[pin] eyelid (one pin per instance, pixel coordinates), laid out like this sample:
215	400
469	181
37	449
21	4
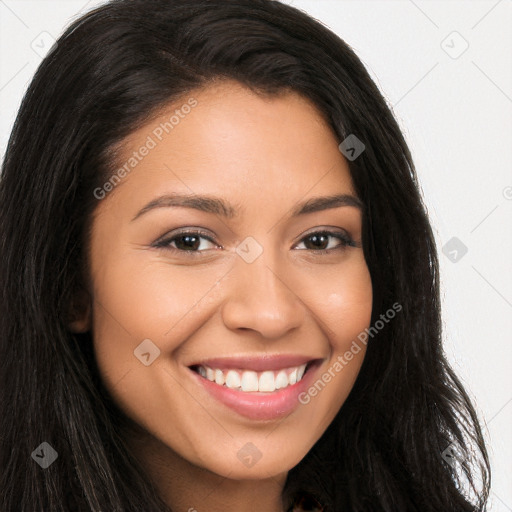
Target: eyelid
331	231
185	231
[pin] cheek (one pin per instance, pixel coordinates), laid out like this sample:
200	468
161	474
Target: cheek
343	302
343	309
139	298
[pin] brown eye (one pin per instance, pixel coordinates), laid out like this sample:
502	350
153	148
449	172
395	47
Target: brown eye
185	242
319	241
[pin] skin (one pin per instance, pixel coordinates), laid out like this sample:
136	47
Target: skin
264	156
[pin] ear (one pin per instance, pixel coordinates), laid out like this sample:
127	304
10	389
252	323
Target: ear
79	314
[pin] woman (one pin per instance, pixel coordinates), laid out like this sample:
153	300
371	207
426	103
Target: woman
219	281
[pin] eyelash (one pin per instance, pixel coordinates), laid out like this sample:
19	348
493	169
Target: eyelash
346	241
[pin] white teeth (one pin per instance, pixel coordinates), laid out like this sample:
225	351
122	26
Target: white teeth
232	379
219	377
266	382
250	381
281	380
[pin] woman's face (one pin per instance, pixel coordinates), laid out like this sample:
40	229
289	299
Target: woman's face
251	300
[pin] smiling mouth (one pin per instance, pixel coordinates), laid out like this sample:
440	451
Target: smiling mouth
267	381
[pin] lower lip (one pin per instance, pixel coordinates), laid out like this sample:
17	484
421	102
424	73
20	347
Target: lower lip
256	405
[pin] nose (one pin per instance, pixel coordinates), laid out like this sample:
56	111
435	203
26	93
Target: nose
261	298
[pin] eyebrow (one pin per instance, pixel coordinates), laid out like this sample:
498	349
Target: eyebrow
216	205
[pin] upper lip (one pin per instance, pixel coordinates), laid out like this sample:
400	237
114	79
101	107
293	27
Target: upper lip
257	363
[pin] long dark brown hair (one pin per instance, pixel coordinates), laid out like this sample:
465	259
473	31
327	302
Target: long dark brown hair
109	73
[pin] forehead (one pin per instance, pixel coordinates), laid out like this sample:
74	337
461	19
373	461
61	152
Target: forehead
227	140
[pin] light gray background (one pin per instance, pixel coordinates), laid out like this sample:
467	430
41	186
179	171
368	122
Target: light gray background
454	106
